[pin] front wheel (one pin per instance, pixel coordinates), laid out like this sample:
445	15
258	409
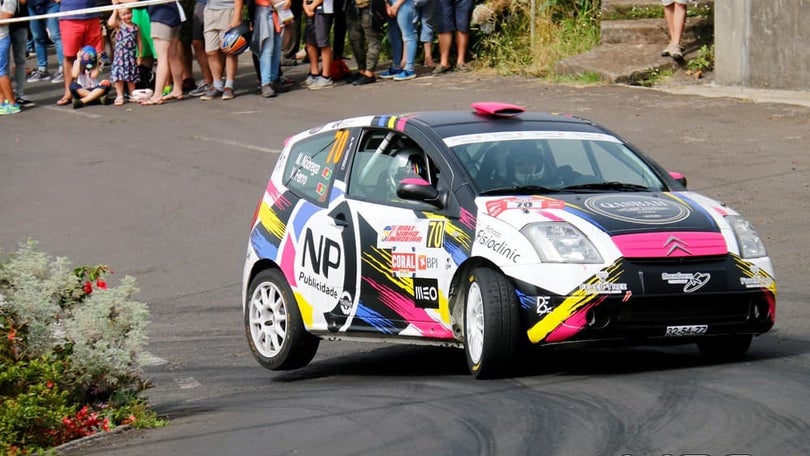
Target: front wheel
275	331
725	348
491	326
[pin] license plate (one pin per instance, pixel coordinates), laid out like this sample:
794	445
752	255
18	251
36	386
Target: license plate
687	330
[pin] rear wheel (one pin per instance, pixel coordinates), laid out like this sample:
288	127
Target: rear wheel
491	326
725	348
275	331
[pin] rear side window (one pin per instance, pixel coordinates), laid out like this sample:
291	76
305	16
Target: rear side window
310	168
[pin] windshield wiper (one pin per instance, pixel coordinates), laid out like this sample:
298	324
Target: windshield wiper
609	186
520	190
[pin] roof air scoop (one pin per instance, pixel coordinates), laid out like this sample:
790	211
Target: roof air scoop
497	109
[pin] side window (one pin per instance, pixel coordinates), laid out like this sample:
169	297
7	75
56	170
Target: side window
310	167
384	159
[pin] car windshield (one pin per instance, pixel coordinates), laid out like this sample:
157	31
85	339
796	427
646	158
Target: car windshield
538	162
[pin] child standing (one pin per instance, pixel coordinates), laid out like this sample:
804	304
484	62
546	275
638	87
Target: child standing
9	106
86	87
128	47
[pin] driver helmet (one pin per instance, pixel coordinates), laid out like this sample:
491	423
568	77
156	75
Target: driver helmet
406	163
525	165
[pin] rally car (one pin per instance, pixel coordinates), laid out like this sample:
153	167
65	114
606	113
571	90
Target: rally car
493	229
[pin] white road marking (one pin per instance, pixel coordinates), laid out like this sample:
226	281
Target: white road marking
76	112
238	144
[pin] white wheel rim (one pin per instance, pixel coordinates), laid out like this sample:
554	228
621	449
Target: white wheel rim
268	319
474	334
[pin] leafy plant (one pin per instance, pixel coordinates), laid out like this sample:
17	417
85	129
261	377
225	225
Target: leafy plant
529	38
703	61
69	358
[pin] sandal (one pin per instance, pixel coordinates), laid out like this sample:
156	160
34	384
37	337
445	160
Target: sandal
119	100
151	102
64	101
171	97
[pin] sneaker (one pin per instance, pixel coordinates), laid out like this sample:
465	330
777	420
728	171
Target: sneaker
405	75
7	109
227	94
200	90
310	79
77	103
24	102
279	87
211	94
285	82
322	83
39	75
390	73
59	77
267	91
673	50
363	80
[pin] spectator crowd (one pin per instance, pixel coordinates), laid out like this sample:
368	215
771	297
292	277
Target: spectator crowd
150	49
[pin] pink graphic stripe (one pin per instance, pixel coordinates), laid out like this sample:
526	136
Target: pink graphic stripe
671	244
404	306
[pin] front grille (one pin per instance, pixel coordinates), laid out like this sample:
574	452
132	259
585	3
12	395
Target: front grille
703	309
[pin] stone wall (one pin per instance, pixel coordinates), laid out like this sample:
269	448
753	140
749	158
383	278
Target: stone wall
762	43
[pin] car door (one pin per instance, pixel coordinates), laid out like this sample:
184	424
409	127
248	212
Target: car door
405	269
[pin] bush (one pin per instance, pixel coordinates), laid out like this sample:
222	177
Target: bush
529	37
69	359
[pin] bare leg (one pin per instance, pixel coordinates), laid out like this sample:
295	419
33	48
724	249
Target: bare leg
202	60
445	42
462	40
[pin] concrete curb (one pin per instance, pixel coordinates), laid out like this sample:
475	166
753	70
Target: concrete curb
714	90
73	445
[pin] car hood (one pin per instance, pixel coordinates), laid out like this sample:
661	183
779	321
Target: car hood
614	213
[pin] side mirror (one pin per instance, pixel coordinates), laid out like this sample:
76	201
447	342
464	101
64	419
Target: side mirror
678	177
418	189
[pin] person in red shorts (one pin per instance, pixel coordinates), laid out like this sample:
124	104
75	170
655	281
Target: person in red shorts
77	30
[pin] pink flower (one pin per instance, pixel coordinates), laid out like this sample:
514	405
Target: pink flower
88	287
101	285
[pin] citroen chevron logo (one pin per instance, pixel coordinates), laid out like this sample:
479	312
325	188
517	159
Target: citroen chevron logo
676	244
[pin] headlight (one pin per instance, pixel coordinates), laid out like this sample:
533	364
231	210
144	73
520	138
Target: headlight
747	238
561	242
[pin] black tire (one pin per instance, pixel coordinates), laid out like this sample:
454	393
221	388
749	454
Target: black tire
491	324
725	348
273	325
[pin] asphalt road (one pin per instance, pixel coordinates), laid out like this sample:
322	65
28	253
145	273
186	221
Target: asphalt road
166	194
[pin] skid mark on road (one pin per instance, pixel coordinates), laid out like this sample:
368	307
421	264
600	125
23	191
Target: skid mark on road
238	144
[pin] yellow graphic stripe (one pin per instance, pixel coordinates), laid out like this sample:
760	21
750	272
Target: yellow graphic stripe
270	221
336	152
392	122
570	306
380	259
305	309
763	276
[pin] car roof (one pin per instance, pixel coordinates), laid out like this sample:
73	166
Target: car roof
454	123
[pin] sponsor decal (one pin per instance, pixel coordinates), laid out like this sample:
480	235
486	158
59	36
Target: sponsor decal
408	234
638	209
326	256
491	239
345	303
317	285
543	305
602	286
327	172
426	293
498	206
403	264
425	262
758	281
692	281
